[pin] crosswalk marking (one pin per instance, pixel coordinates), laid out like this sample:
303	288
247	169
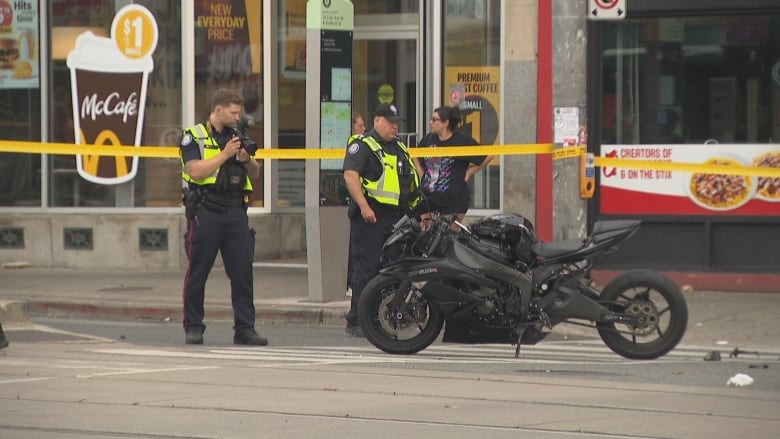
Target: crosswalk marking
551	353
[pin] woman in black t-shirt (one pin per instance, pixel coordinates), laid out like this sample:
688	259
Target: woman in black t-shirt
445	179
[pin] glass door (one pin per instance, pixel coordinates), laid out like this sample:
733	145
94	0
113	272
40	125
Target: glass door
386	73
385	56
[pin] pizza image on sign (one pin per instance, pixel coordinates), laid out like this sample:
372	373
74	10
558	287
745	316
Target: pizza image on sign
721	191
768	187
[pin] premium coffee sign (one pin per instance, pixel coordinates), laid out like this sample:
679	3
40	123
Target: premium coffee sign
109	79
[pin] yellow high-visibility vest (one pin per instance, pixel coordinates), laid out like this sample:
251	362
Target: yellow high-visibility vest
208	148
387	188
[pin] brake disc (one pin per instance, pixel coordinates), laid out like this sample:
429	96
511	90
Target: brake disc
648	315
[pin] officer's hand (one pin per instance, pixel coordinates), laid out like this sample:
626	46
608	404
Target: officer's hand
232	147
368	215
243	155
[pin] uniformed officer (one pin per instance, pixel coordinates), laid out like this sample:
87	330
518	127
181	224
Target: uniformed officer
217	167
3	340
382	182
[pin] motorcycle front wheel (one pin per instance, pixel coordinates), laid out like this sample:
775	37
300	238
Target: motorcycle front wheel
657	302
401	330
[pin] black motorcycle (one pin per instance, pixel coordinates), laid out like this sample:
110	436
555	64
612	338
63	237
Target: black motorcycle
495	282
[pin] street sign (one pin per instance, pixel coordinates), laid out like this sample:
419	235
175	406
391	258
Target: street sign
606	9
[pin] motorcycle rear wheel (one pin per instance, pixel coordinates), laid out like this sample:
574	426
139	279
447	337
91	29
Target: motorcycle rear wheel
418	327
655	298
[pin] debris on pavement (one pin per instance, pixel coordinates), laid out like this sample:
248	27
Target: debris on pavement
712	356
740	380
737	352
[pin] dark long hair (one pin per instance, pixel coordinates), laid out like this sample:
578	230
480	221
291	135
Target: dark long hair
450	114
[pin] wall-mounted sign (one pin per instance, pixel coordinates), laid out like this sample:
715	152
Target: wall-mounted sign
652	192
476	90
330	14
109	79
19	62
606	9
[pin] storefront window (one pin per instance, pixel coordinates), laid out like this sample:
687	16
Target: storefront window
158	181
291	102
380	7
690	90
20	174
472	35
229	54
691	80
20	103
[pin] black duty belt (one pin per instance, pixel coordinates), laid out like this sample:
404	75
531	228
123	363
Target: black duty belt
220	202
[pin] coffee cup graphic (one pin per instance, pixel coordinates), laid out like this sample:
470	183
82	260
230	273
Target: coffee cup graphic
108	88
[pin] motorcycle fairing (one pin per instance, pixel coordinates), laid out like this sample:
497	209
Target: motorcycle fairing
605	234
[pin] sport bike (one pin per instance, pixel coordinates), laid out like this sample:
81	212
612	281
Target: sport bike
496	282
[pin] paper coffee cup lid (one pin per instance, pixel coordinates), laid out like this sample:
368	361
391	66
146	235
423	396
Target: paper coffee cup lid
101	54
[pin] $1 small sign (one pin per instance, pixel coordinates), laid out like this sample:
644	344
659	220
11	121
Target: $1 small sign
134	31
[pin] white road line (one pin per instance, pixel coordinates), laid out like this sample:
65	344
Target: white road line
25	380
139	371
450	354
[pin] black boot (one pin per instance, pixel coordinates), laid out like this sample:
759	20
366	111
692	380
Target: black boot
249	337
3	340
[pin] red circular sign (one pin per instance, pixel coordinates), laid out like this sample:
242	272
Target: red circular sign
6	14
606	4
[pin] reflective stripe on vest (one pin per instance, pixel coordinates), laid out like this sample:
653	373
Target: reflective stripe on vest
208	149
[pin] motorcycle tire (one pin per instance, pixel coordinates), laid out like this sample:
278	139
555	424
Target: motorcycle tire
419	326
640	292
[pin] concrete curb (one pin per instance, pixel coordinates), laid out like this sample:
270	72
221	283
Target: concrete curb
271	314
13	312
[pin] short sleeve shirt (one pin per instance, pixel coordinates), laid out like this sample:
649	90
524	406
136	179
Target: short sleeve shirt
443	179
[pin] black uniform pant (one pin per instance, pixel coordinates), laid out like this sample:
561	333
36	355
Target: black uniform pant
226	232
365	241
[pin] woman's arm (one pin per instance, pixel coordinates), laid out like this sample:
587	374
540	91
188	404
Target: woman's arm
474	168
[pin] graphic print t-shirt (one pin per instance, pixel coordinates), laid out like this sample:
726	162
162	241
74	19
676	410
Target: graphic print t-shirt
443	182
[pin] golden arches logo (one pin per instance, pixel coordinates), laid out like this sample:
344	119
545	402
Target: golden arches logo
91	162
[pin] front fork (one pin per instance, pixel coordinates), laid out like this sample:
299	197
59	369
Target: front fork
402	298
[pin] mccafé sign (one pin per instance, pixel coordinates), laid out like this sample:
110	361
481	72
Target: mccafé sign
109	78
110	106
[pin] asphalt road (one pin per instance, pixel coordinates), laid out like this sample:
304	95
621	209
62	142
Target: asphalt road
584	358
91	379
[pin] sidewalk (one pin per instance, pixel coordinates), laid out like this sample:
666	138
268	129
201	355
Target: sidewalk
720	320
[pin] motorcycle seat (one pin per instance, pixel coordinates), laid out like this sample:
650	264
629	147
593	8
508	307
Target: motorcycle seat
614	225
558	248
604	231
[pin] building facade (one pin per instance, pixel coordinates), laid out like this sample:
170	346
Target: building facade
669	73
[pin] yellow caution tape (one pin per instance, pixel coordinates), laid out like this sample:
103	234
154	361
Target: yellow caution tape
460	151
568	152
276	153
71	149
14	146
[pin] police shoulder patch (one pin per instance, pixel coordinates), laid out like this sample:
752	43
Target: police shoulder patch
186	139
353	148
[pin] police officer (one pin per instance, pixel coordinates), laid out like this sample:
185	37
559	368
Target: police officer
382	182
3	340
217	168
